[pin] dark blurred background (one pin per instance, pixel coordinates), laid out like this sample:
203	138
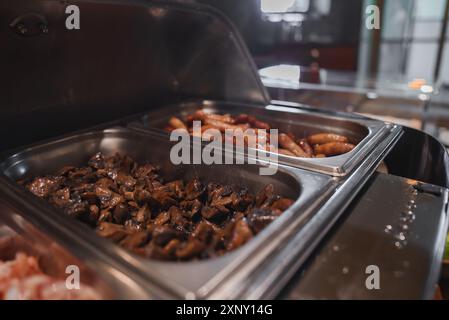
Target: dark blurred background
331	34
298	32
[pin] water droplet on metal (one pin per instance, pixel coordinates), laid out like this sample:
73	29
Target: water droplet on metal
399	244
400	236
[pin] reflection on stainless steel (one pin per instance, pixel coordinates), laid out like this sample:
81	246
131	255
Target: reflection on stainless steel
293	77
301	121
421	157
408	271
281	76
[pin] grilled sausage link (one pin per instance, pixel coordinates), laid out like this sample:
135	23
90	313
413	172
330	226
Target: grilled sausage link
322	138
222	126
223	118
177	123
285	152
333	148
306	146
253	121
203	116
287	143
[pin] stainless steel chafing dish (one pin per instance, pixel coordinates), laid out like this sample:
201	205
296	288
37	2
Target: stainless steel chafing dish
221	277
304	121
93	94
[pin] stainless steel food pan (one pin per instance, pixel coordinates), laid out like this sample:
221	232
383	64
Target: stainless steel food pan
301	121
198	279
19	235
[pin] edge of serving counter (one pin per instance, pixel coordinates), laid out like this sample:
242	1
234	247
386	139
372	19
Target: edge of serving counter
408	230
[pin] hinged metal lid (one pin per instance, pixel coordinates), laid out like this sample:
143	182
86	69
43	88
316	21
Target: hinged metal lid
126	57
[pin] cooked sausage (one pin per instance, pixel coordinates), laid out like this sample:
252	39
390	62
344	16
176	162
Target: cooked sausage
202	116
333	148
289	143
206	136
177	123
241	118
322	138
305	146
286	142
253	121
258	124
222	126
291	135
197	115
223	118
285	152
